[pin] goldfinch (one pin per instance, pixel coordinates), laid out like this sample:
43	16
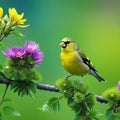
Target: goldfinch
75	61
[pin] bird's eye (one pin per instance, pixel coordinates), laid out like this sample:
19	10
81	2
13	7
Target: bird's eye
67	42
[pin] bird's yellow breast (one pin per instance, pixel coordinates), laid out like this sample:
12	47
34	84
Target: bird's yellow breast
73	63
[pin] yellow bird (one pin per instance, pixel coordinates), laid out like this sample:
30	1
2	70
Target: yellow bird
75	61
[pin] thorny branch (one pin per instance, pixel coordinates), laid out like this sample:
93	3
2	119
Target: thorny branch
50	88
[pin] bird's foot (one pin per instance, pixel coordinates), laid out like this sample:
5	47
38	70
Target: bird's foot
66	78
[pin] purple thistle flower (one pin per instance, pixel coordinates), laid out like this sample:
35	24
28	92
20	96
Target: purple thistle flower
14	52
37	56
30	50
30	47
33	48
118	85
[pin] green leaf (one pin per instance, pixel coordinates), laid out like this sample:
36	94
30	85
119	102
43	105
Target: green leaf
1	67
90	99
110	115
94	114
32	95
0	116
23	26
54	104
8	99
33	87
36	76
2	74
7	110
78	117
23	87
44	108
1	43
17	33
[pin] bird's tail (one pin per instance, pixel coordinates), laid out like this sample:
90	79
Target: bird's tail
95	74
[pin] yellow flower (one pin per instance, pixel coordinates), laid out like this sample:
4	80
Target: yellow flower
15	17
1	12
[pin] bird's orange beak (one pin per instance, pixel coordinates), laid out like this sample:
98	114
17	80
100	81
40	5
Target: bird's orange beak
62	44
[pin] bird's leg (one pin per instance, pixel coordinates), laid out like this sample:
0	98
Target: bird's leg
66	78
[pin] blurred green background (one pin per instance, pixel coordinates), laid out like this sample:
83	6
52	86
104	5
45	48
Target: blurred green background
94	24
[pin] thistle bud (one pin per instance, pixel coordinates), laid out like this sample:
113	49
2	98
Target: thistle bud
5	18
7	26
2	24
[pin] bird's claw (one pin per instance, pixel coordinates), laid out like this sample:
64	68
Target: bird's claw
66	78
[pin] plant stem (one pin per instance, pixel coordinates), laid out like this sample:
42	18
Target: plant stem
47	87
101	99
3	96
50	88
1	37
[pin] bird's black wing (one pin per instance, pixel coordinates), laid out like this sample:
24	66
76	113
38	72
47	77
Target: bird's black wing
88	63
85	59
